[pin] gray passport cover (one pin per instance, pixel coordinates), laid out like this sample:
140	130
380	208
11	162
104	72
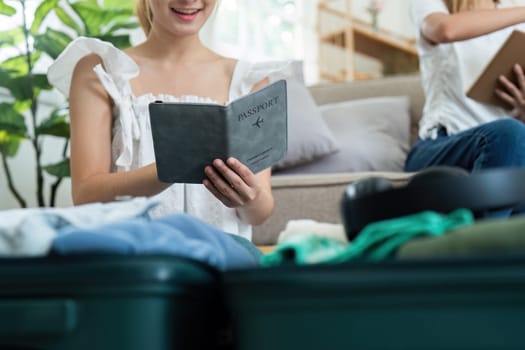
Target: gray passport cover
189	136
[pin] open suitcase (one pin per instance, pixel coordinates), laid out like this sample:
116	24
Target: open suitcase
164	302
461	290
467	304
108	302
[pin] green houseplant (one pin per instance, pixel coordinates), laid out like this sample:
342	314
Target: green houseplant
22	81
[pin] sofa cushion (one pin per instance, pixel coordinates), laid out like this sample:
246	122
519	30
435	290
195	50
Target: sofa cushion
395	85
373	134
309	137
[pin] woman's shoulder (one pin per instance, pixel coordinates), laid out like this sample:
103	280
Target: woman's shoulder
228	64
88	62
88	52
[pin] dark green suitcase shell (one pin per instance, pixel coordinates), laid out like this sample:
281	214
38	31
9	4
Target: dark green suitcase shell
108	302
460	304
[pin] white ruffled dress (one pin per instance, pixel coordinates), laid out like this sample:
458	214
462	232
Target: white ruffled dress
132	145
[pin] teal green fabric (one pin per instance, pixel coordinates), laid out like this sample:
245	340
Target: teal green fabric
304	249
377	241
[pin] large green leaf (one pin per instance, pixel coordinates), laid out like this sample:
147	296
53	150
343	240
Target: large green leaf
60	169
9	144
19	87
120	41
45	7
21	106
18	65
5	9
26	87
12	37
40	81
12	122
5	76
65	18
121	4
55	125
97	19
124	26
52	42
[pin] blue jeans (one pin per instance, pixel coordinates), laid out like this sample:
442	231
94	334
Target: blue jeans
492	145
497	144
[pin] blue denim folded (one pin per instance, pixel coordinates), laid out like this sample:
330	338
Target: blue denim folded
177	234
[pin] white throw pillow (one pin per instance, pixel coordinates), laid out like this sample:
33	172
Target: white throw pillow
309	137
373	134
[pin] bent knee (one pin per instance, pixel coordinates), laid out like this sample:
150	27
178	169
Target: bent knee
505	144
509	127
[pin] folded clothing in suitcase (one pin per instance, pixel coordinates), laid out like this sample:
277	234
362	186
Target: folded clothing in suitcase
467	304
108	302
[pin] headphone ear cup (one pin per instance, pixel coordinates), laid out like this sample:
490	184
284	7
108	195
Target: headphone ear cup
353	219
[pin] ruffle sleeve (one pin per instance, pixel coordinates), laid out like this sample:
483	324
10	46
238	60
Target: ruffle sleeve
247	74
114	73
119	66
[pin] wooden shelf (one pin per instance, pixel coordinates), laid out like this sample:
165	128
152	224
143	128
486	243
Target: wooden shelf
395	52
376	42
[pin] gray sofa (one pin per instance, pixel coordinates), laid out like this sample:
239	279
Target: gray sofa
316	196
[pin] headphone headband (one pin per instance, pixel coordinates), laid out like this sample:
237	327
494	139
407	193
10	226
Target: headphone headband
438	189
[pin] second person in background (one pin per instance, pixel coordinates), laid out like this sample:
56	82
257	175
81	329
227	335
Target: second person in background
456	39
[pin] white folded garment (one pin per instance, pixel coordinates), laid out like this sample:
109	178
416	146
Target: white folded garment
30	231
306	226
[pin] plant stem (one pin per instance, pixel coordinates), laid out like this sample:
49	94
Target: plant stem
54	186
35	138
10	183
53	192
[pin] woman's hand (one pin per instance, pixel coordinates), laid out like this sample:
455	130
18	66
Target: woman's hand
236	186
514	94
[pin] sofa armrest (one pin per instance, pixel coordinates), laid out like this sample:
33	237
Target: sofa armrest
314	197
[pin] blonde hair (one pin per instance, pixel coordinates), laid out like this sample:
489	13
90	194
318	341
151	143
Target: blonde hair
455	6
144	14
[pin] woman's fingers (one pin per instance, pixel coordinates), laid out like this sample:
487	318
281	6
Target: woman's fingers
225	187
514	93
510	88
232	182
520	76
506	98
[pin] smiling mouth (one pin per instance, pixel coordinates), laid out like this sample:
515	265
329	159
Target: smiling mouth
185	12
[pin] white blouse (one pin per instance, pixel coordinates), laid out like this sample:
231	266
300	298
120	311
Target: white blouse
132	144
448	70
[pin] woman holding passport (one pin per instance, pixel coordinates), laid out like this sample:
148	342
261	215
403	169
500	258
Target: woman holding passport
109	92
456	39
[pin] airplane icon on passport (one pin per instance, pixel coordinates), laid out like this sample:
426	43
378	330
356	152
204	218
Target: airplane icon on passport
258	122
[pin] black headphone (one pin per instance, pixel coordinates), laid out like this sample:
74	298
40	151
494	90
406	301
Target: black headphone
442	189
